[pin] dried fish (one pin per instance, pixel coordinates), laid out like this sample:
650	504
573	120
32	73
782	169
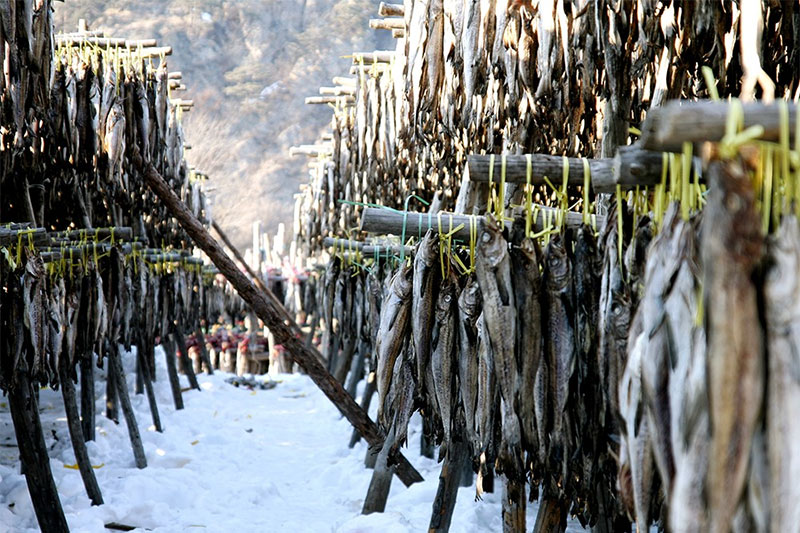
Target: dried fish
732	245
442	358
391	334
423	302
469	303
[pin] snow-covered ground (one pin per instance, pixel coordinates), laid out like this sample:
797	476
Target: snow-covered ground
234	460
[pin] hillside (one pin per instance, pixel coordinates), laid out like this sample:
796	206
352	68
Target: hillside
247	66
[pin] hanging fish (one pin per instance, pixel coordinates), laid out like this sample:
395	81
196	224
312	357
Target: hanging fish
423	302
469	307
442	363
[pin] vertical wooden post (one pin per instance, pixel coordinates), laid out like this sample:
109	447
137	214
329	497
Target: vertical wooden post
87	394
514	505
426	446
33	455
76	433
144	349
449	481
112	412
551	517
201	340
366	399
115	366
381	482
186	365
172	371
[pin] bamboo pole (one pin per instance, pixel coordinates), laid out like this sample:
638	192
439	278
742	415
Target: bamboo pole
271	314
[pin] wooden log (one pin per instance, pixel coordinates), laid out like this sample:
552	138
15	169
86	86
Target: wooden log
513	506
631	167
37	236
319	100
357	369
201	341
391	10
87	395
378	56
666	128
183	360
551	517
398	34
271	315
449	479
339	90
76	433
115	366
371	69
33	455
381	482
393	23
155	51
143	360
389	222
175	75
121	233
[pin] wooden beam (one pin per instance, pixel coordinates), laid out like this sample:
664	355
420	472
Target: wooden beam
391	10
398	34
378	56
320	100
389	222
272	316
666	128
342	80
631	167
394	23
313	150
366	249
339	90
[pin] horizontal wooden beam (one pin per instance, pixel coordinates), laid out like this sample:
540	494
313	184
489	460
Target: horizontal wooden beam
366	248
342	80
378	56
398	34
390	222
339	90
393	23
391	10
122	233
313	150
319	100
630	168
666	128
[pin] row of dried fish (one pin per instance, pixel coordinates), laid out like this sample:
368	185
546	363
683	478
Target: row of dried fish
479	77
710	384
74	120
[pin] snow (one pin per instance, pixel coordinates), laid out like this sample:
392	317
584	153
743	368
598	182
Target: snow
232	460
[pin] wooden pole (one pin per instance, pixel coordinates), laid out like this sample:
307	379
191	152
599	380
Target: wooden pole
201	340
273	317
669	126
391	10
76	434
183	361
389	222
393	23
631	167
172	371
33	455
115	366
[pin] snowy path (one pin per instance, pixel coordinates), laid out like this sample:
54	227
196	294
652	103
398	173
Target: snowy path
233	460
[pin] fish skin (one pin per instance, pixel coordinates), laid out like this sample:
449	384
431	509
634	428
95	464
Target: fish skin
55	323
402	401
526	54
487	389
527	292
782	303
546	32
72	304
328	299
143	118
637	472
560	339
442	357
493	268
731	249
470	52
541	409
423	302
434	54
35	317
114	140
392	333
469	307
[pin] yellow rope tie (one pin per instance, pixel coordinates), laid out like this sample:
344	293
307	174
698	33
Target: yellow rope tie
528	194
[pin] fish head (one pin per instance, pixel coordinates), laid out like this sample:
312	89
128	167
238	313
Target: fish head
492	245
469	300
447	296
428	249
557	262
401	282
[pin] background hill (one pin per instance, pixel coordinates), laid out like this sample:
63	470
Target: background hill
248	65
